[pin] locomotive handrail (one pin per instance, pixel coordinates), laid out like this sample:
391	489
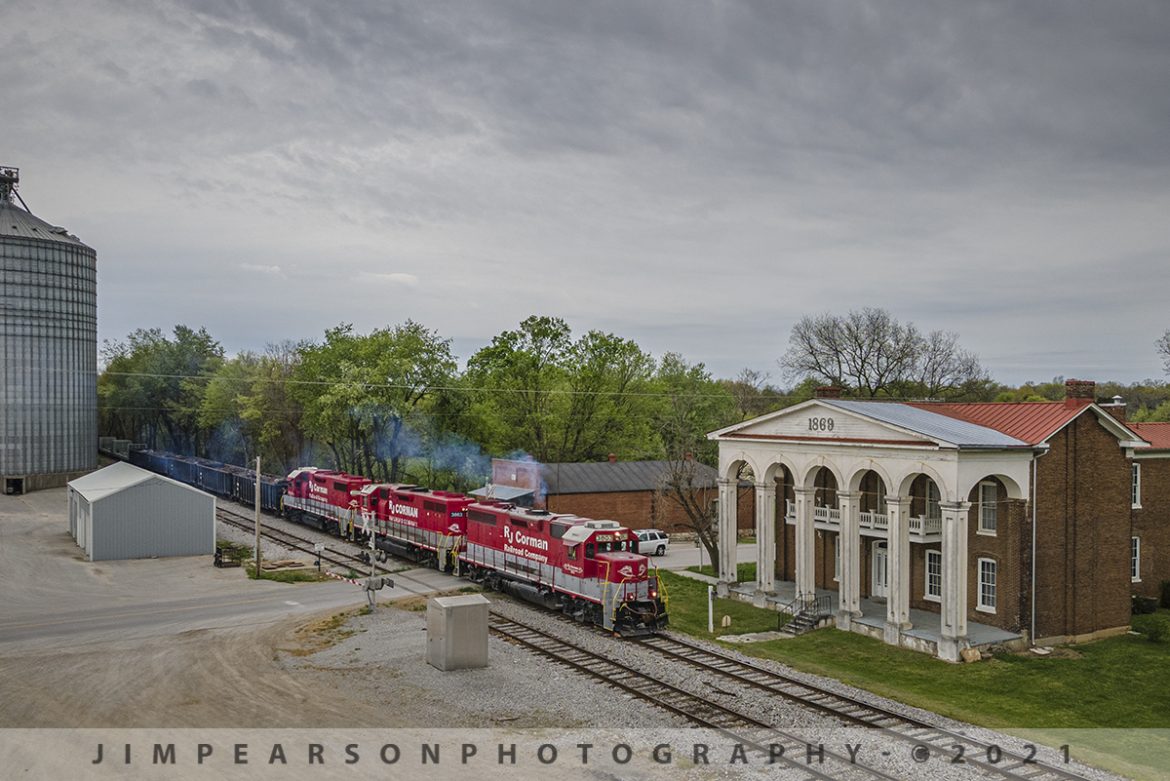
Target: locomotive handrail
662	594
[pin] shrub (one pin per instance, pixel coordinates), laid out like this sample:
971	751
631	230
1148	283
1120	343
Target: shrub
1143	605
1157	631
1166	593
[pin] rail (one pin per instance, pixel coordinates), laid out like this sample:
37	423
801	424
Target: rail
941	742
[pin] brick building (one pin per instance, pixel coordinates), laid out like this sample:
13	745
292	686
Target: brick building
940	526
629	492
1150	503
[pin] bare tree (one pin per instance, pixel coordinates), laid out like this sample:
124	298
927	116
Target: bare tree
753	396
1163	346
945	367
871	353
686	484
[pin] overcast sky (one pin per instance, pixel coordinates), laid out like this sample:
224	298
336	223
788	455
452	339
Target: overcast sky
695	176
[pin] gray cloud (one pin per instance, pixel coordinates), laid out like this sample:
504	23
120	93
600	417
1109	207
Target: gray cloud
693	175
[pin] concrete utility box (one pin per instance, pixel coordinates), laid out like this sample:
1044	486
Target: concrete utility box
457	632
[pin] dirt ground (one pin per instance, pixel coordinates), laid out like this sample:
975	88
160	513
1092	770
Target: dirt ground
152	666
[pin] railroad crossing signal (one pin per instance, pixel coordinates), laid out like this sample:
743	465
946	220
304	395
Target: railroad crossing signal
376	584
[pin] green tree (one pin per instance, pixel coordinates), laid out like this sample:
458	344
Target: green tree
359	392
250	409
152	386
538	390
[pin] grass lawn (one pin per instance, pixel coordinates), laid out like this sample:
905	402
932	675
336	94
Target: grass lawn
1091	696
688	610
744	573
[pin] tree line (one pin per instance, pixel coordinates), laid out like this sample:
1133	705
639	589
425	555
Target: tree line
392	404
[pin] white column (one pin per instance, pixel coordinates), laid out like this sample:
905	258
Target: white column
806	540
728	536
766	538
898	568
849	586
954	580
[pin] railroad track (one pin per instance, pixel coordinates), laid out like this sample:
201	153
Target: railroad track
943	743
755	735
296	542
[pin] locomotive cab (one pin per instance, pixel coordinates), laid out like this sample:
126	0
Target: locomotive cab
630	594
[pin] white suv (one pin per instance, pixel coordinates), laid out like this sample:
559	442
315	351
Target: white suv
652	542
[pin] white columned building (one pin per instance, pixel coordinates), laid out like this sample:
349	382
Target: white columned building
881	491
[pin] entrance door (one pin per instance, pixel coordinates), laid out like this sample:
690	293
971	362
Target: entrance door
881	572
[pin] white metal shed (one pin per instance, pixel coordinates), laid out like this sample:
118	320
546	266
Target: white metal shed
123	512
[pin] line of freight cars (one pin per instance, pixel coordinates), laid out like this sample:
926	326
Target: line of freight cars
224	480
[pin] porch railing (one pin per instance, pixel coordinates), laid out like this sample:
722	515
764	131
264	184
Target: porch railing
921	525
827	515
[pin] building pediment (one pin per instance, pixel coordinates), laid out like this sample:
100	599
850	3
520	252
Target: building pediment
821	421
891	424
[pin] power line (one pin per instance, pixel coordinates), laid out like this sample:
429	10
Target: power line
460	388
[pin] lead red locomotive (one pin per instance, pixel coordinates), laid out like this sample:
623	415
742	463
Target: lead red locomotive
585	568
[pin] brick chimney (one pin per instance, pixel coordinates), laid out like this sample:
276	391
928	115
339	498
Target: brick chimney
827	392
613	458
1079	392
1115	407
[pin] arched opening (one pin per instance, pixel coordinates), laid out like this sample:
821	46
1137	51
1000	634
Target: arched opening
785	561
873	523
827	517
739	516
871	497
824	485
925	506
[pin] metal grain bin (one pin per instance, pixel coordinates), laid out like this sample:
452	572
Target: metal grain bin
48	349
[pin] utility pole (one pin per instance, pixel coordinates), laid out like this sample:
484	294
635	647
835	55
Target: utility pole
257	517
373	558
710	609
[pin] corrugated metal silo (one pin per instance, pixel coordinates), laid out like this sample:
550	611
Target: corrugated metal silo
48	349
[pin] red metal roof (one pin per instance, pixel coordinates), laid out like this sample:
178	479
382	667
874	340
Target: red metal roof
1031	421
1157	434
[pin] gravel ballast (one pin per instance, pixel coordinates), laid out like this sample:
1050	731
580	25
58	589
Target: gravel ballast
524	691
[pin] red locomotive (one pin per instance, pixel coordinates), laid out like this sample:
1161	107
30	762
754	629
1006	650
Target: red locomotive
585	568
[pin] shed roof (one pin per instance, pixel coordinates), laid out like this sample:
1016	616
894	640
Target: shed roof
924	421
117	477
617	476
